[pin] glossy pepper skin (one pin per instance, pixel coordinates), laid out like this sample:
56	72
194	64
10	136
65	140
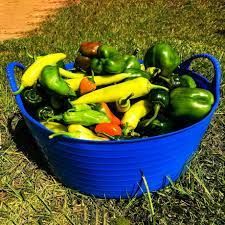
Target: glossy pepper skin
190	103
89	49
175	81
82	62
162	56
33	72
108	61
134	73
187	81
51	79
104	108
159	98
160	125
54	126
131	62
112	65
105	51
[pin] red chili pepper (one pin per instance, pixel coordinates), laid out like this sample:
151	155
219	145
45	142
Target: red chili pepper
86	85
109	129
109	113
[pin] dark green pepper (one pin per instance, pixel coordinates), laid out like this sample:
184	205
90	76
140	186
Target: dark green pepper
32	97
56	101
85	118
43	113
51	79
160	126
175	81
159	98
162	56
190	103
131	62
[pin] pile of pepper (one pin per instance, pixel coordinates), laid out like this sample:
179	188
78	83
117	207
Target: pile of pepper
112	96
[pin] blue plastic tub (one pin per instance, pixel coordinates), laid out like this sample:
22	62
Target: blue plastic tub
114	169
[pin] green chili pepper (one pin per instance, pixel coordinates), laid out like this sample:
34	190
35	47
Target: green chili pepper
51	79
190	103
85	118
134	73
81	107
158	98
43	113
162	56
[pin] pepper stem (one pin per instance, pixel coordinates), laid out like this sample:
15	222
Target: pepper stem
92	78
19	90
123	101
154	86
56	117
146	122
165	79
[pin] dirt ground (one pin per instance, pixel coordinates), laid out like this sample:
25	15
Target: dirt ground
20	16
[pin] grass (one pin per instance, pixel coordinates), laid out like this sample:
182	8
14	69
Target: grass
29	194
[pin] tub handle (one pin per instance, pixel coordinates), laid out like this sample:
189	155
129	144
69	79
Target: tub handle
217	70
10	73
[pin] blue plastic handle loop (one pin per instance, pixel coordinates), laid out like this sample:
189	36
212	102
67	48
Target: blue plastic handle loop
217	70
10	72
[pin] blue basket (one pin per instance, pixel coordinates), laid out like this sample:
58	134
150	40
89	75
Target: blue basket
114	169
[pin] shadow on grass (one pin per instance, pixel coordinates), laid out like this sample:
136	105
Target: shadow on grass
25	142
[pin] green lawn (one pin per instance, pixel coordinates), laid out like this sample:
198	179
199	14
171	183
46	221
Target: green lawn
29	194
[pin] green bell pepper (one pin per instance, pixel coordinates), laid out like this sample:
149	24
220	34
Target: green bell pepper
51	79
190	103
162	56
108	61
187	81
115	64
131	62
105	51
